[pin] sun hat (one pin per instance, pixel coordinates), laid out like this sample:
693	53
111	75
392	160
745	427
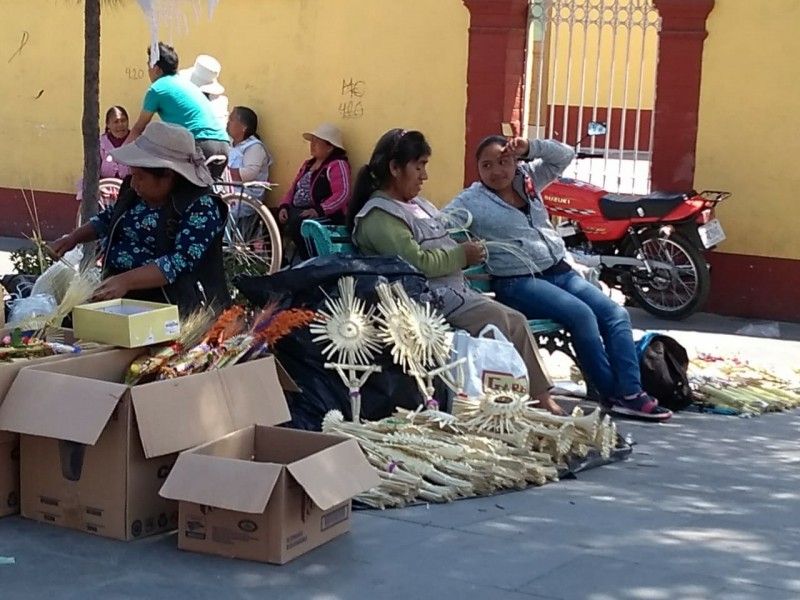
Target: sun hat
204	75
327	132
166	146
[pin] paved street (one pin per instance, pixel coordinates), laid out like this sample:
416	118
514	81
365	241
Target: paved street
706	509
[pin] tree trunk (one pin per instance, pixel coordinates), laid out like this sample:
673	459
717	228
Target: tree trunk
90	125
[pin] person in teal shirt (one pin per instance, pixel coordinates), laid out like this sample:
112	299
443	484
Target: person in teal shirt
178	101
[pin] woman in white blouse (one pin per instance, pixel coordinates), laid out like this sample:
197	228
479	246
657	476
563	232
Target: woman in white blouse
249	159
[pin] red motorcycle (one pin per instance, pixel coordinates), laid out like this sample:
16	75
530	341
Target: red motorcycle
650	247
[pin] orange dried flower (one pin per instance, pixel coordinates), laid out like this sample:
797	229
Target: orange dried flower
287	321
230	323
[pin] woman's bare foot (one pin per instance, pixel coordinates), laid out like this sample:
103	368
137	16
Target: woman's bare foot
547	403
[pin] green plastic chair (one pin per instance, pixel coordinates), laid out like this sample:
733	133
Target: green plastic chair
323	240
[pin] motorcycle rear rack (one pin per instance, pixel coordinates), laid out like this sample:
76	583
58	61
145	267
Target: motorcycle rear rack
714	196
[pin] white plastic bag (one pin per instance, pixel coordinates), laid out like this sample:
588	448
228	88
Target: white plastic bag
493	364
32	312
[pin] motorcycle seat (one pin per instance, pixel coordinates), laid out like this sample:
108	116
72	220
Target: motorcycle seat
616	207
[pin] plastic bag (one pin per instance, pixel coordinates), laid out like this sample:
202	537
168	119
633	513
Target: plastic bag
18	286
302	283
56	279
32	312
493	364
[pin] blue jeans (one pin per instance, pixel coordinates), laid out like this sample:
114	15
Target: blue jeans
600	328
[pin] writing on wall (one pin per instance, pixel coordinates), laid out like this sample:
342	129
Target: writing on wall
351	103
135	74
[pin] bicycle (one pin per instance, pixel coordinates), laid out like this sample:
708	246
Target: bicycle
252	238
109	192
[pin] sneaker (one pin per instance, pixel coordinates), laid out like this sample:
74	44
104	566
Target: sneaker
643	406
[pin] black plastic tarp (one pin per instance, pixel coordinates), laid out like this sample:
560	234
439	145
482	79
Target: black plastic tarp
307	286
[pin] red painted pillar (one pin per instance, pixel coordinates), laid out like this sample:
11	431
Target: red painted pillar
495	72
680	62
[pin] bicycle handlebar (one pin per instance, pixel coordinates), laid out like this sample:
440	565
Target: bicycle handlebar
580	155
216	159
264	185
219	159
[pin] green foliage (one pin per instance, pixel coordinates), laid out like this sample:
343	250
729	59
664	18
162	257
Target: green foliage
30	261
236	265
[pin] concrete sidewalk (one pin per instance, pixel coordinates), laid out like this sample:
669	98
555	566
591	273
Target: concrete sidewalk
706	509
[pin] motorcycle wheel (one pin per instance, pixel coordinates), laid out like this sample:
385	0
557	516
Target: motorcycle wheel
664	295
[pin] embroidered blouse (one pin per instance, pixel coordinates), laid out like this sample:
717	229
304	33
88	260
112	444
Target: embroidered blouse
135	239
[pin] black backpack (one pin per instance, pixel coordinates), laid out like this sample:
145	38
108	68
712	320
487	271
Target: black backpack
663	363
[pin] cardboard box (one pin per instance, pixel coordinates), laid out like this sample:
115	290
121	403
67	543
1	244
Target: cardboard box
94	452
266	493
9	442
9	474
126	323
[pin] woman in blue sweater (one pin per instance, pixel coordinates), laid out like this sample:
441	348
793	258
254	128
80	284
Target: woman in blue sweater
535	278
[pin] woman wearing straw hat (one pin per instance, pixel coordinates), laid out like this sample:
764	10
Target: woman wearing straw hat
321	187
162	240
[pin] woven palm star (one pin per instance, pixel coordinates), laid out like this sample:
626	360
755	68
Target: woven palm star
429	331
346	327
394	325
416	333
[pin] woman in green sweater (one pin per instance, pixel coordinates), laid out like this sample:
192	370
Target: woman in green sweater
387	216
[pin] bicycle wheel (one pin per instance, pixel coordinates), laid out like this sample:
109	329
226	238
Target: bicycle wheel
252	240
109	192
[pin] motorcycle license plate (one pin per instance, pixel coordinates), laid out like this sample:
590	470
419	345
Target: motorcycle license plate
566	230
711	233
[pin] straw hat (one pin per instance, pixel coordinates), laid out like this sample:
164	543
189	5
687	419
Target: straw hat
167	146
204	75
329	133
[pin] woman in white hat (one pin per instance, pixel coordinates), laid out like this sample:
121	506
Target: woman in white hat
205	75
162	240
321	187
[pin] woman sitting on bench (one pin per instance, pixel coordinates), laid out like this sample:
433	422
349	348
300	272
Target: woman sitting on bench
387	216
505	206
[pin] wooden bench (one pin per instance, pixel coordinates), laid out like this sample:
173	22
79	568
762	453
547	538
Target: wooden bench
323	240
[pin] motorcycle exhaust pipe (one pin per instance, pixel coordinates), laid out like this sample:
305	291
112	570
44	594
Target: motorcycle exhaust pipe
591	261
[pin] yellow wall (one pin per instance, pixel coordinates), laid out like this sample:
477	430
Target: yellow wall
584	44
287	59
749	123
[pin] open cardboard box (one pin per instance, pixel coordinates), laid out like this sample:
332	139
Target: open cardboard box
9	474
266	493
126	323
9	442
95	452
